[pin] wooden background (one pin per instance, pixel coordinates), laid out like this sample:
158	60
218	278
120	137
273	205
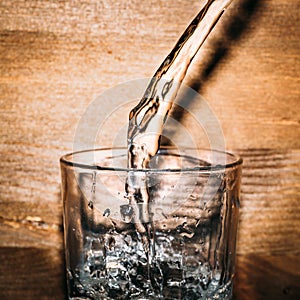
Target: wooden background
57	56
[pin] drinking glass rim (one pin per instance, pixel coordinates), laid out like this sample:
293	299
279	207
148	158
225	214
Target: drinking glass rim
237	161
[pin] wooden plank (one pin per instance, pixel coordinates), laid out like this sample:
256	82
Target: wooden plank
270	213
31	273
262	277
249	74
62	62
268	243
56	57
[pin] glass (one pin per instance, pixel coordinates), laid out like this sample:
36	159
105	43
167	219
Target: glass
187	250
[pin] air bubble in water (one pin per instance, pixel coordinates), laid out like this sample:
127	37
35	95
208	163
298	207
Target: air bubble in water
106	213
91	204
126	212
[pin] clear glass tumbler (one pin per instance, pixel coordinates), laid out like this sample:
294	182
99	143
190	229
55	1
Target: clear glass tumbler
179	244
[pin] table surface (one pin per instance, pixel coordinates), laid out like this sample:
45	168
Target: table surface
58	56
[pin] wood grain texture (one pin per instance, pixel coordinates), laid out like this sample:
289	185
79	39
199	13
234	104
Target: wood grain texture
56	57
268	243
